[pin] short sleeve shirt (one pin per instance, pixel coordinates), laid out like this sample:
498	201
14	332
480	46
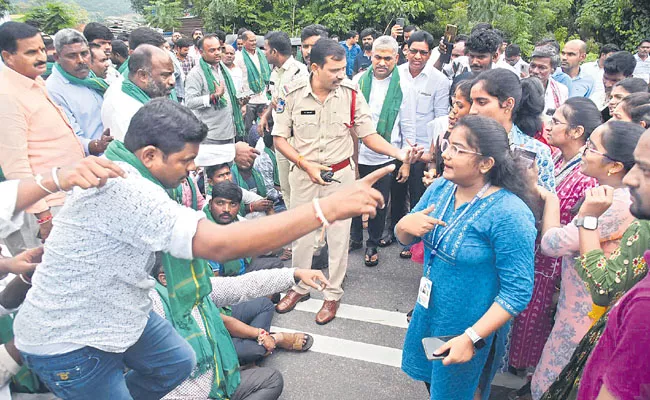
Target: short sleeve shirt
319	129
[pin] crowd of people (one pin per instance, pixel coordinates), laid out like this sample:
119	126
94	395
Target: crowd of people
152	190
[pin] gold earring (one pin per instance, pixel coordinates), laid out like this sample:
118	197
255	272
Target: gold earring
609	173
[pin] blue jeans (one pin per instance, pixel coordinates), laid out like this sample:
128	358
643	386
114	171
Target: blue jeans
159	361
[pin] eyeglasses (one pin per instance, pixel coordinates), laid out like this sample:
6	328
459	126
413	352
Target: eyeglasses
452	150
590	147
424	53
555	121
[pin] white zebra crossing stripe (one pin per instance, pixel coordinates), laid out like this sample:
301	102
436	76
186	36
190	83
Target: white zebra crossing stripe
351	349
358	313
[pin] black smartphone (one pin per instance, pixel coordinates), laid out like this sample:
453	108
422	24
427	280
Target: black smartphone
400	22
450	37
431	344
527	156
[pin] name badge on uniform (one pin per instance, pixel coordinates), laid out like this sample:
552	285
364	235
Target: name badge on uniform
424	293
308	112
279	108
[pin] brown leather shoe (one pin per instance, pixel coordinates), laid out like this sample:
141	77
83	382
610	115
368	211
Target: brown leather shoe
289	301
327	311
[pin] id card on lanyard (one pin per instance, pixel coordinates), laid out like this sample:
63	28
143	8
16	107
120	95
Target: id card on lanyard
426	285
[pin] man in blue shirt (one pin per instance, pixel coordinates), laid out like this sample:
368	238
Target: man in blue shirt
362	62
79	95
352	49
572	55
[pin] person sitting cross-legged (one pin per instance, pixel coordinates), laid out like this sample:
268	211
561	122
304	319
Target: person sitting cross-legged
247	327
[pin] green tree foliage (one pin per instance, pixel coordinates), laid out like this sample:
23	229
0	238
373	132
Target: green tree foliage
523	21
4	6
163	14
53	16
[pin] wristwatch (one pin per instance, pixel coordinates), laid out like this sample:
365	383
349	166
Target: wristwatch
589	223
478	341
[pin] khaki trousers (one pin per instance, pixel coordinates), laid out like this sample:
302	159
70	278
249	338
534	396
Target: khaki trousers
303	191
283	171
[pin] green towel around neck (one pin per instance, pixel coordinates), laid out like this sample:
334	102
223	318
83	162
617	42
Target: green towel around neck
93	82
212	83
188	280
257	79
134	91
392	102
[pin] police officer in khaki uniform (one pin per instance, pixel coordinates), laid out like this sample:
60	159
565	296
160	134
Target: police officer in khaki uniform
277	48
319	114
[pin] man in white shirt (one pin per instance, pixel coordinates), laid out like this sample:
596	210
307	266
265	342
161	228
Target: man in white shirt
258	89
80	328
236	73
642	69
382	86
152	71
432	90
595	69
543	62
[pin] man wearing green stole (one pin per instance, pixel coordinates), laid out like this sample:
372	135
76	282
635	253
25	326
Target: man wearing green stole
210	93
151	75
78	91
257	75
81	337
392	105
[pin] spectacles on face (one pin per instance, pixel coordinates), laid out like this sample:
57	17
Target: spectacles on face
423	53
590	147
555	121
452	150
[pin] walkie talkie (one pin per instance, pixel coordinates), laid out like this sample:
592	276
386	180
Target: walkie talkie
328	176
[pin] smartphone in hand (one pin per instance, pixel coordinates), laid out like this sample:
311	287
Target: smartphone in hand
431	344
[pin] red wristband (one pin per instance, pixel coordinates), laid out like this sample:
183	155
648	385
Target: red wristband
44	220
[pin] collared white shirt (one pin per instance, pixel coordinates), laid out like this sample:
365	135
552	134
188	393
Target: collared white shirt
404	127
237	76
117	110
593	70
259	98
432	96
642	69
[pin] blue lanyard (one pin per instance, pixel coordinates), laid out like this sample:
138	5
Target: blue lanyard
455	222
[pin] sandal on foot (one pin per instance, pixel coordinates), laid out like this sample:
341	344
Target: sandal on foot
386	241
372	258
293	341
406	253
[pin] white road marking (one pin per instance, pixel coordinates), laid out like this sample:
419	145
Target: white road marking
358	313
379	354
351	349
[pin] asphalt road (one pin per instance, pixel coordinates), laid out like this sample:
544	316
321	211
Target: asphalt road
357	356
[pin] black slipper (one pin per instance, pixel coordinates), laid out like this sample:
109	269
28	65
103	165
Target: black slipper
386	241
370	253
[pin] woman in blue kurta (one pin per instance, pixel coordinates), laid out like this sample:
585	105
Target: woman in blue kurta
479	234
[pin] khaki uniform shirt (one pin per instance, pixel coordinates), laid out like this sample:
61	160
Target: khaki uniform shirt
319	129
281	77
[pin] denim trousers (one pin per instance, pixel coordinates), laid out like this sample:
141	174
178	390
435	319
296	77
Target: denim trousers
158	362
